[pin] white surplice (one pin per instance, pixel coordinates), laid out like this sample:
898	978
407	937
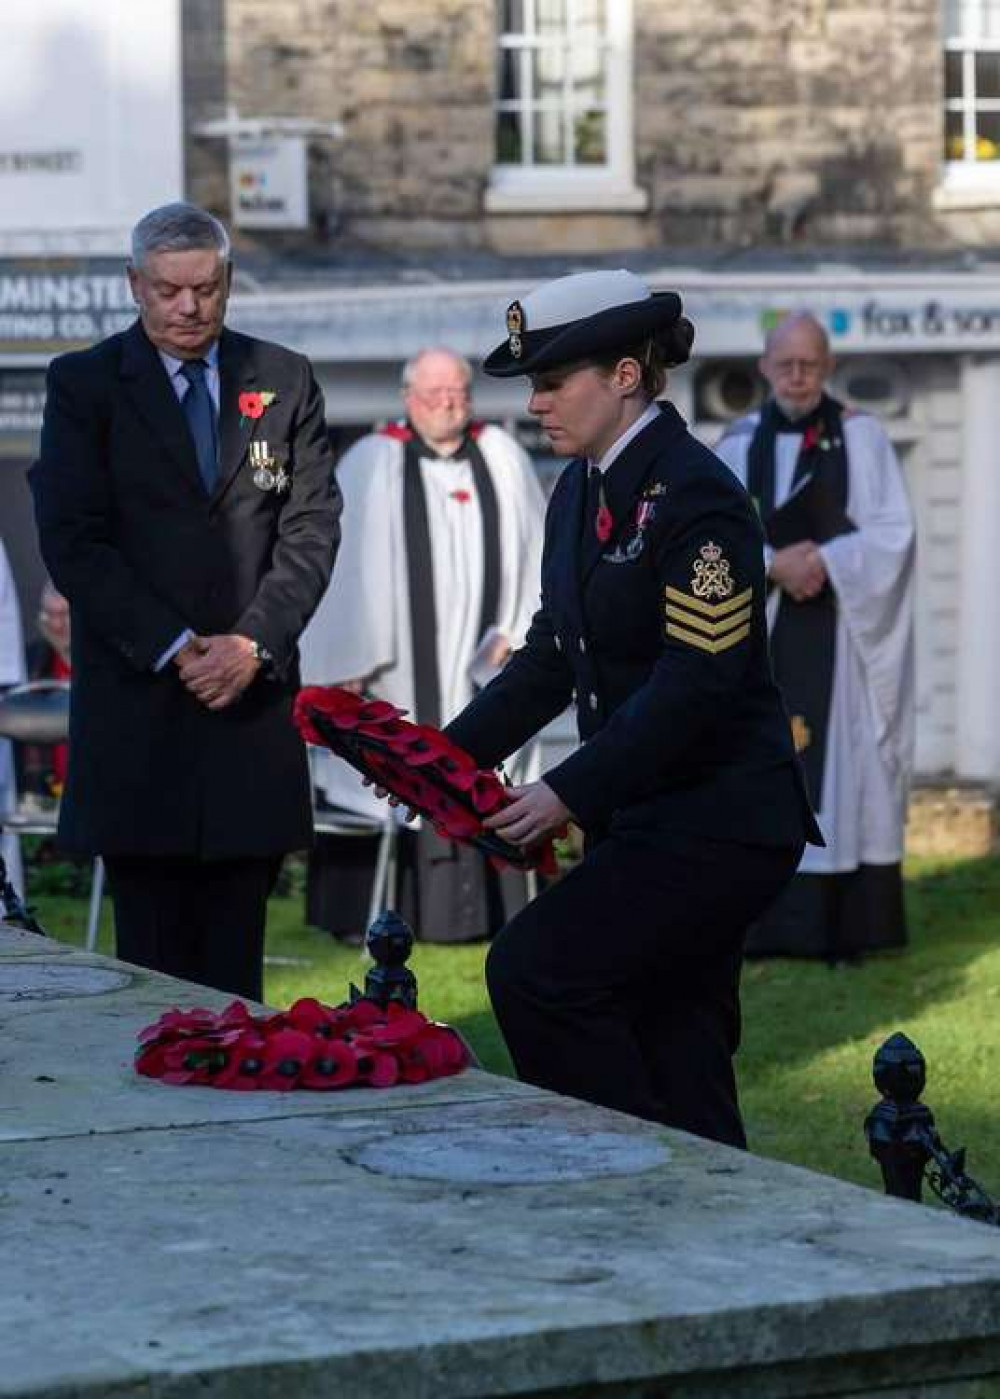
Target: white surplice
362	626
870	740
12	672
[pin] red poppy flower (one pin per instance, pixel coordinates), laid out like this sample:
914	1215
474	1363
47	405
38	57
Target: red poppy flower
334	1064
175	1022
424	744
360	1014
311	1016
810	437
192	1061
488	793
251	405
401	1024
245	1061
378	1070
463	497
286	1055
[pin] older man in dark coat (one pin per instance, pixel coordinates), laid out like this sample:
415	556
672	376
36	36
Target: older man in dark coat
186	507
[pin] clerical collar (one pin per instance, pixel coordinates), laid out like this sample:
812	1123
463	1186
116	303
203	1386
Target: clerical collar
783	423
618	446
426	450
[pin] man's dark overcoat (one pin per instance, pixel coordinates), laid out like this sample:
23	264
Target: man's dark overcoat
143	552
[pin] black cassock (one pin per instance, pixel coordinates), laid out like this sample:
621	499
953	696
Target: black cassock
619	984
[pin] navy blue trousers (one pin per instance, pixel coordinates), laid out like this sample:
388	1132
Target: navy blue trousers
620	983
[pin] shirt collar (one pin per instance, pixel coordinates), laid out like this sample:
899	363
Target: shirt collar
173	365
618	446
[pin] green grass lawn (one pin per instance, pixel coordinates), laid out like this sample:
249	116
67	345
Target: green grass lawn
809	1032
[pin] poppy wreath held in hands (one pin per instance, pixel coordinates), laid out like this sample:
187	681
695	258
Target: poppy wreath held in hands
418	764
308	1046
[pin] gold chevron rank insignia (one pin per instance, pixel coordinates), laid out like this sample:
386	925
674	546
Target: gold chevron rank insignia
711	626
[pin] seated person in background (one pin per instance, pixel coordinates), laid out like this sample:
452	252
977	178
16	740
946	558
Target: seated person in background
41	767
11	673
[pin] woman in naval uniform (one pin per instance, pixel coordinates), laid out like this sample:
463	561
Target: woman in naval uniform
620	983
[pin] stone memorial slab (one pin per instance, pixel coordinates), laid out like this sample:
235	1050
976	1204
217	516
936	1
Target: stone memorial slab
37	980
511	1156
506	1242
15	942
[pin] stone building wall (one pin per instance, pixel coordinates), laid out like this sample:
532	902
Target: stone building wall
761	121
409	80
756	122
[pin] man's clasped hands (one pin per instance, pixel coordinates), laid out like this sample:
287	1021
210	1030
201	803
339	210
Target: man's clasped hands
217	669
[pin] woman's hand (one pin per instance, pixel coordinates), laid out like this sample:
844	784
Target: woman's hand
535	814
383	793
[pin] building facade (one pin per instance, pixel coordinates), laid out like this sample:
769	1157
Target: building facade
580	125
396	173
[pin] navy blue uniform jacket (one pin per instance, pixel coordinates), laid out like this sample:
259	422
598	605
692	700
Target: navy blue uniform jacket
659	637
131	537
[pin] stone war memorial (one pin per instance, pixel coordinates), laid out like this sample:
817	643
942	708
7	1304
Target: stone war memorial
458	1239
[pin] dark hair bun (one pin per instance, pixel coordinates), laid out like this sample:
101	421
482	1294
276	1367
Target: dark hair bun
675	342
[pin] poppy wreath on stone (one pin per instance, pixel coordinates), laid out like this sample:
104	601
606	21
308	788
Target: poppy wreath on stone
419	765
310	1045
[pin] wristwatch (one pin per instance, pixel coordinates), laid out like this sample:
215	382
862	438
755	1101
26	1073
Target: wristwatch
261	653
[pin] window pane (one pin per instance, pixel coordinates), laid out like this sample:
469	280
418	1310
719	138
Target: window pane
954	143
588	12
987	75
550	17
953	14
588	73
953	75
549	147
988	136
509	75
510	16
509	138
589	138
548	70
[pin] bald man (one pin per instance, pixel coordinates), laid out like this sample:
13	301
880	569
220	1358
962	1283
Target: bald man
840	561
438	583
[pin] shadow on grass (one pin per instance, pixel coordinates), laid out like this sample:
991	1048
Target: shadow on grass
797	1009
811	1032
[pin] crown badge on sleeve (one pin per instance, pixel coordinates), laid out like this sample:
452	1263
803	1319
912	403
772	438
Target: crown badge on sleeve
515	328
712	577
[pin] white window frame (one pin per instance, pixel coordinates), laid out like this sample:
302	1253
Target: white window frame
608	188
968	183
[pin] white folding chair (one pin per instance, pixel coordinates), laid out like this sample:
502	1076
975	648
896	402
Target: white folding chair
37	712
336	821
30	818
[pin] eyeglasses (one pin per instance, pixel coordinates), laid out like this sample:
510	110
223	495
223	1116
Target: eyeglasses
437	398
804	366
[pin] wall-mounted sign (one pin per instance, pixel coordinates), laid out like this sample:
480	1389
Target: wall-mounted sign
22	398
268	182
90	120
57	308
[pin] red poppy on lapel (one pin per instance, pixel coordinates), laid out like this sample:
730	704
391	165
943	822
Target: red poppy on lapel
255	404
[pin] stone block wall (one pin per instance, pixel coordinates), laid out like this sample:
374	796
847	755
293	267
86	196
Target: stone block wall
409	80
766	122
756	122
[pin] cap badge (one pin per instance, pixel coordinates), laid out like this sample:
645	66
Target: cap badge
515	328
